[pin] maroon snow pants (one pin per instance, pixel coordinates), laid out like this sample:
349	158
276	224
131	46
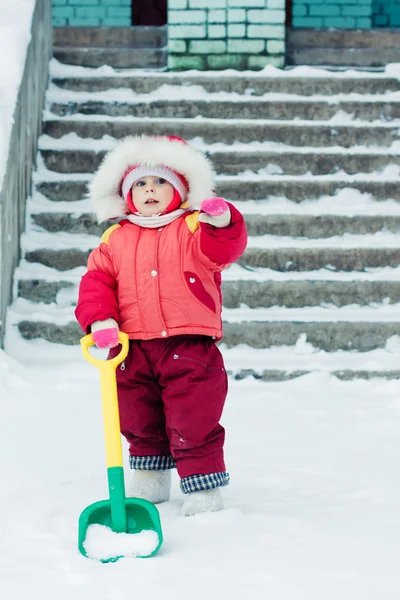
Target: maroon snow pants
171	394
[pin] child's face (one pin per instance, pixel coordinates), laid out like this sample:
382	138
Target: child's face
152	195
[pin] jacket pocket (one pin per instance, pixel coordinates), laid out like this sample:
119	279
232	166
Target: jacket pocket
198	290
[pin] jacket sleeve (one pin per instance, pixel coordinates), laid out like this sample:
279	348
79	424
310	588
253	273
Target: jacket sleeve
223	246
97	291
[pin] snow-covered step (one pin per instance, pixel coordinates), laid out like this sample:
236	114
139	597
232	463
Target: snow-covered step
73	188
256	84
307	226
280	259
288	362
242	108
326	335
293	161
254	294
232	131
121	47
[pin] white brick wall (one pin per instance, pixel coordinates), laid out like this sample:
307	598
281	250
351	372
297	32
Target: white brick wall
218	34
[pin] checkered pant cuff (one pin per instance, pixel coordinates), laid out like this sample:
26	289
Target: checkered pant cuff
198	483
151	463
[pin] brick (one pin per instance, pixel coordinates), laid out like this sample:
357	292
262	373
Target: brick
260	62
119	13
63	12
236	30
299	10
264	16
246	3
115	22
324	10
246	46
281	4
207	3
276	32
177	4
365	23
236	15
359	10
380	20
75	22
307	22
177	46
181	63
81	2
186	31
341	22
217	31
95	12
59	2
263	31
57	22
217	16
226	61
207	47
275	46
186	16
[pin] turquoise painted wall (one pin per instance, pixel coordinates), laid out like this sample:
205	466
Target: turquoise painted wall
89	13
386	13
341	14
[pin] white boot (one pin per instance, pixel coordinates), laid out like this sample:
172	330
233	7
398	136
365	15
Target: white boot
202	501
154	486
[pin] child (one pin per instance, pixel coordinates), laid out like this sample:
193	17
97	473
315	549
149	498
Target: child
157	276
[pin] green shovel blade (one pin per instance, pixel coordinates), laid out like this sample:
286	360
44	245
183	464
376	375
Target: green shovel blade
141	515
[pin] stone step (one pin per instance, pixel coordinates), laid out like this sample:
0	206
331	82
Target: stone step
254	294
313	259
327	336
344	57
360	48
297	226
110	37
295	189
280	259
279	375
366	110
118	58
253	85
225	132
234	163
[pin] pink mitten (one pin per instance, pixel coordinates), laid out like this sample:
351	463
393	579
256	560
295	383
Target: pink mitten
216	212
106	338
105	333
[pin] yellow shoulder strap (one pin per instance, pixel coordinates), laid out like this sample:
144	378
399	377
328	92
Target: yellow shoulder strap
106	235
192	221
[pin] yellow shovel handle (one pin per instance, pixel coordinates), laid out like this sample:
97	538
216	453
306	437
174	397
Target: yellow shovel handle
109	396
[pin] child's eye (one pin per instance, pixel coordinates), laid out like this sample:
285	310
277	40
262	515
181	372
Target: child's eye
160	180
140	183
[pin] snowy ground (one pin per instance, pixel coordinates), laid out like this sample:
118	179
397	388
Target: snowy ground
313	509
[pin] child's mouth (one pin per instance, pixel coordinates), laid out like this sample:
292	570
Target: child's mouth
151	201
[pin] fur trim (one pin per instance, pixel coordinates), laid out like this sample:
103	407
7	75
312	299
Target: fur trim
148	151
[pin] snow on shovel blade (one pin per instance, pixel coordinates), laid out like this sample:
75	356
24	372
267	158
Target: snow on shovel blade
141	516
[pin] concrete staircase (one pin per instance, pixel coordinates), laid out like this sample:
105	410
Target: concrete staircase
118	47
312	162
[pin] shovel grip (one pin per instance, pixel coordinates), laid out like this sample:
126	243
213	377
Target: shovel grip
87	342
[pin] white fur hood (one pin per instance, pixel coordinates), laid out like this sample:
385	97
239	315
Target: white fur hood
149	151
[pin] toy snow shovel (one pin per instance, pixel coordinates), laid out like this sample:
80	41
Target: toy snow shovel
120	514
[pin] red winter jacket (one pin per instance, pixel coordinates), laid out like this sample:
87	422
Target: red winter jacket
161	282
